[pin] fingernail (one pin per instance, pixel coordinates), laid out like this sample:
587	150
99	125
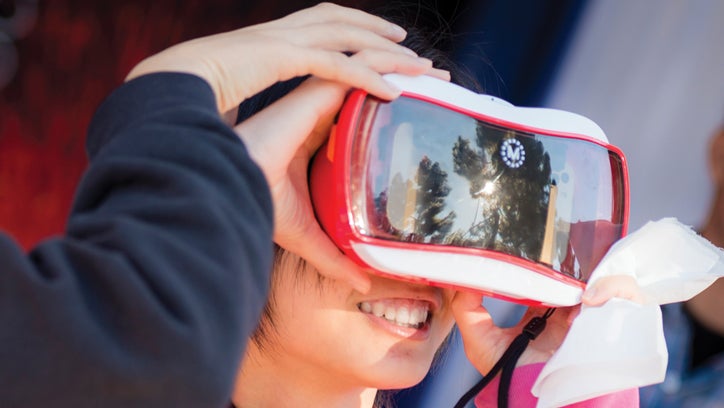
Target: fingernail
589	294
394	90
397	31
441	73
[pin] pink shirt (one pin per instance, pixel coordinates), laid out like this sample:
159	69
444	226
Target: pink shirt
521	397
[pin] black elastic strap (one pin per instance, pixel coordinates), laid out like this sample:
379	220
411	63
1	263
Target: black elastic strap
507	361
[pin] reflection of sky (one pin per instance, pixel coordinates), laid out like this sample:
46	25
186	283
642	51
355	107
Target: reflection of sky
435	140
583	176
421	129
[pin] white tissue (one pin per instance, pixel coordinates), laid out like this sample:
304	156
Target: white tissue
621	345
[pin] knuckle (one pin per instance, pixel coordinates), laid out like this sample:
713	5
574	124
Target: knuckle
326	6
364	55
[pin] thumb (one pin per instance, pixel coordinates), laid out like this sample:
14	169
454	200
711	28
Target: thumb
274	135
483	340
470	315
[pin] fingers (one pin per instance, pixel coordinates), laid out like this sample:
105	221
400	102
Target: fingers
274	135
338	37
363	69
313	41
484	342
472	318
328	12
470	315
274	138
297	230
309	109
439	73
467	302
619	286
240	63
320	251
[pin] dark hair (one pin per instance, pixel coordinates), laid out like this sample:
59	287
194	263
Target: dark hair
429	35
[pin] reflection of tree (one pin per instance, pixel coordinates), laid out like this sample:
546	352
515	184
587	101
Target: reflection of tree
432	190
410	209
513	201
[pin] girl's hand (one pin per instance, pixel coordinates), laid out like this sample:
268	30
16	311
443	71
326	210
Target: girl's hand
282	138
485	343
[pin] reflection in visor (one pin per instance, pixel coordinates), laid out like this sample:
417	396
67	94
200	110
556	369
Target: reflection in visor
441	177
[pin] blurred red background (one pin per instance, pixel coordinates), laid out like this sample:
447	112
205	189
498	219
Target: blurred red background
72	54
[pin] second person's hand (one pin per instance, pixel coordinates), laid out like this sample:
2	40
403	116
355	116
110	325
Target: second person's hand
315	41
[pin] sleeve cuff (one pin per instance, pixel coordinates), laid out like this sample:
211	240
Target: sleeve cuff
136	99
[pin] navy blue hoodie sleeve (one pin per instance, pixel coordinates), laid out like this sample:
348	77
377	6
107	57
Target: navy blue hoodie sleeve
149	297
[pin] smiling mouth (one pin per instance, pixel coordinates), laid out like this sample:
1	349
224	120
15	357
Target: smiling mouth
402	312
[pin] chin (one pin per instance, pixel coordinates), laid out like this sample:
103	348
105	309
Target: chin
399	376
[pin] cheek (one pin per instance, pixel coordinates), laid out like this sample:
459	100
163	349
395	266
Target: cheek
312	317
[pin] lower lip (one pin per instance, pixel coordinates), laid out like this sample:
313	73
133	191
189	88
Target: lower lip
409	333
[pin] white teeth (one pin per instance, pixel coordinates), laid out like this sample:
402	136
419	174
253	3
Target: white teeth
410	314
418	315
403	316
390	313
378	309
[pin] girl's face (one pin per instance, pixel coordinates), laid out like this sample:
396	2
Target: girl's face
385	339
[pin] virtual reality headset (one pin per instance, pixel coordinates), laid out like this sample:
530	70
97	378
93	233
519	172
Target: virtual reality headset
457	189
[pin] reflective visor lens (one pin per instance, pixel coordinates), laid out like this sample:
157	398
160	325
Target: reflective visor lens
425	174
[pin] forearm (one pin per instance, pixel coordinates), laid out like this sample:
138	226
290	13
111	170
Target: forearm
148	299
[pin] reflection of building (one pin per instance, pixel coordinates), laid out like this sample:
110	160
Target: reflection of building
563	229
588	242
549	251
400	205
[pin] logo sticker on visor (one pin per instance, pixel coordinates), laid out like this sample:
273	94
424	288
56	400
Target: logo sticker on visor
513	153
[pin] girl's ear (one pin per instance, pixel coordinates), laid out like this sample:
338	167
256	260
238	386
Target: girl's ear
716	158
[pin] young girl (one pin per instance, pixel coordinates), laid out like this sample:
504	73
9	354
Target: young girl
323	343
